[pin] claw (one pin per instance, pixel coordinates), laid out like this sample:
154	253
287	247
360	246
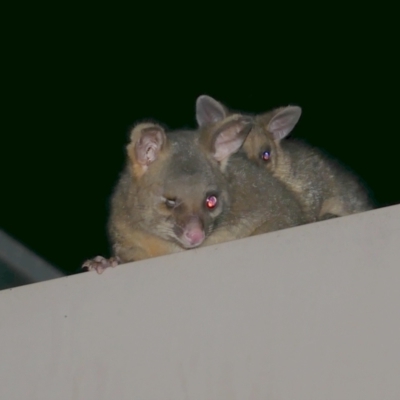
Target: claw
99	263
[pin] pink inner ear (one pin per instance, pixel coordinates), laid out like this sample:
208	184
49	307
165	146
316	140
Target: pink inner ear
148	146
228	142
284	122
279	128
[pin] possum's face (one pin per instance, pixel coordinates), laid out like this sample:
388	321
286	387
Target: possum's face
261	148
182	193
193	193
188	208
263	144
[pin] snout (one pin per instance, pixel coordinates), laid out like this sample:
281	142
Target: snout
191	234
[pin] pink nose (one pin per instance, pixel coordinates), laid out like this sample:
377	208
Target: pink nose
195	236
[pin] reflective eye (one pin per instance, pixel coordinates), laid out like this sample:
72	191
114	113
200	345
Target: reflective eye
266	155
170	203
211	202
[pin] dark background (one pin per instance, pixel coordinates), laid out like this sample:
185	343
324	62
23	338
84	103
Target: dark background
75	80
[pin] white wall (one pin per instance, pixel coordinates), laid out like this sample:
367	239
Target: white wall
307	313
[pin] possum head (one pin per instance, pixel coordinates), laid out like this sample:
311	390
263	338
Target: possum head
262	144
180	191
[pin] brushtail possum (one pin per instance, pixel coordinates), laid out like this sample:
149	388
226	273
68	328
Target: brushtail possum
170	196
324	188
177	193
260	203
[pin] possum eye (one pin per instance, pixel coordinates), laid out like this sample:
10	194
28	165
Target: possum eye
266	155
170	203
211	201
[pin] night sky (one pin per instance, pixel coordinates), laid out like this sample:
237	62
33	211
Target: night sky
73	88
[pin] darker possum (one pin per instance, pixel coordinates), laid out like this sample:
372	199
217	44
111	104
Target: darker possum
185	189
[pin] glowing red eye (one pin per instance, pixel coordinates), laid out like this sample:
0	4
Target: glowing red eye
211	202
266	155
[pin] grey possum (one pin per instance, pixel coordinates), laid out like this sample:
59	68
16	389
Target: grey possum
324	188
178	191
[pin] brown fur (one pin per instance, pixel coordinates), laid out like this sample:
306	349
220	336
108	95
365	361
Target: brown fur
259	202
185	168
322	186
141	224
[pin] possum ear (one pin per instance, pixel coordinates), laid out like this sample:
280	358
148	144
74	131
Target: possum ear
147	141
209	111
227	138
283	121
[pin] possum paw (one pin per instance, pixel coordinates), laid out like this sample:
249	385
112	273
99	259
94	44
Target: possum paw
100	263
